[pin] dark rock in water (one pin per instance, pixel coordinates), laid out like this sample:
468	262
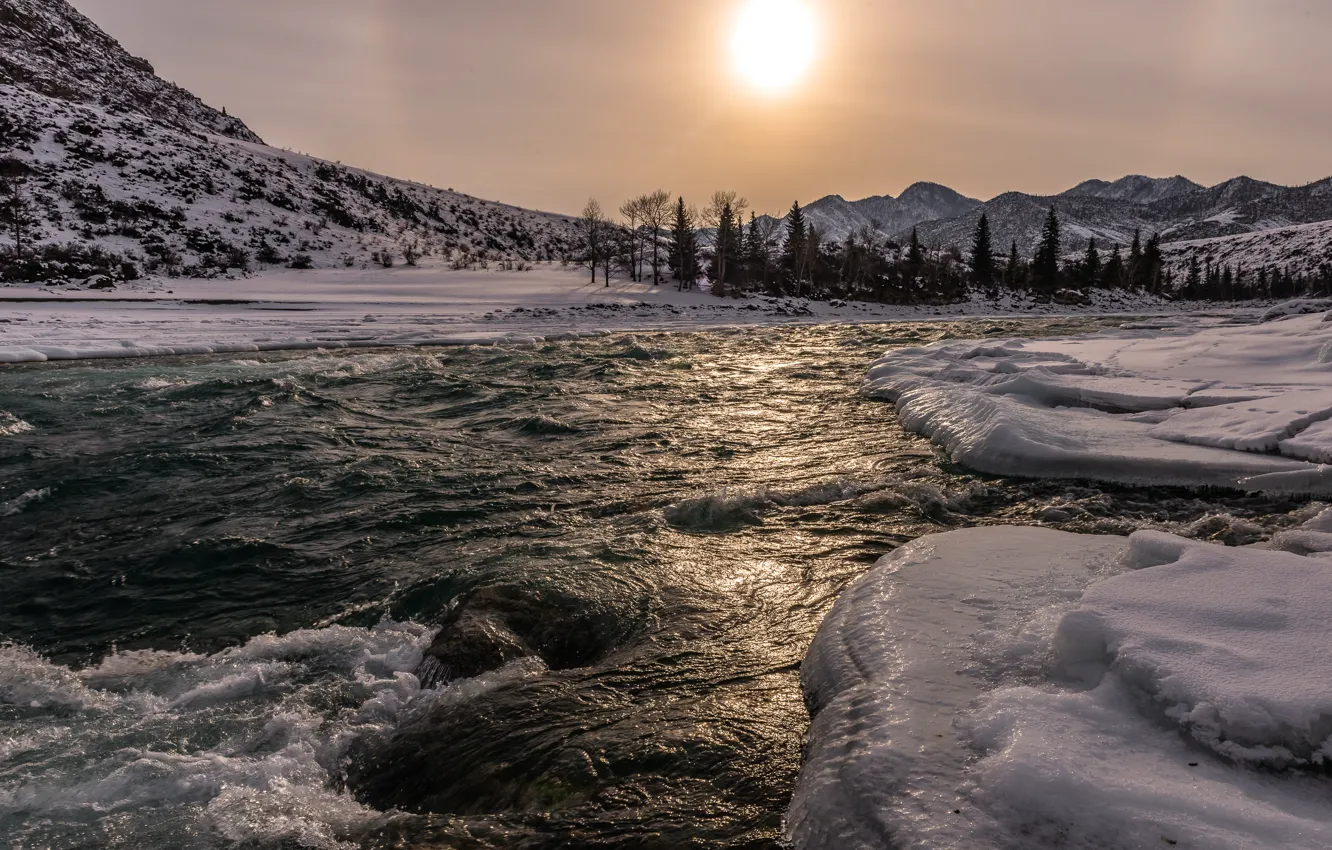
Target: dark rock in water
469	645
505	622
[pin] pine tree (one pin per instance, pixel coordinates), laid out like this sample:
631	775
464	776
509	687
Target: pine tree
1112	276
1045	268
1135	268
797	243
683	255
1193	281
982	254
724	250
1153	262
755	252
1015	274
1091	265
915	258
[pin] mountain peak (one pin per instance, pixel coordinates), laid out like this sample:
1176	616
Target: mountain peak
1135	188
50	48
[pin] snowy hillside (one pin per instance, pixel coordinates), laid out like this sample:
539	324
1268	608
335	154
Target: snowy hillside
1303	250
53	50
124	174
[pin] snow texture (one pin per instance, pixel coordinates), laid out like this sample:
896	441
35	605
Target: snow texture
1025	688
1232	405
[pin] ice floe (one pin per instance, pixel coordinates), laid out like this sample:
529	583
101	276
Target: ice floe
1238	406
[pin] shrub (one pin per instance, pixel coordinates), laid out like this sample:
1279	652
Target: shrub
302	261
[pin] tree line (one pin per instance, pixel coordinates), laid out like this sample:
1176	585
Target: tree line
655	239
663	241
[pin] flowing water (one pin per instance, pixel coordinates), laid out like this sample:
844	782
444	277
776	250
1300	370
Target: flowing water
218	575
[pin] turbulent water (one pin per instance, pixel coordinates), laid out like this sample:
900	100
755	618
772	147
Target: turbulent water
217	577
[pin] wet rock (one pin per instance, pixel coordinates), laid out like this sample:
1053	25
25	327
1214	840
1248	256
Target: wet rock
504	622
474	642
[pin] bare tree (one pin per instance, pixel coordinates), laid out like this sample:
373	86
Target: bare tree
656	217
593	231
632	212
768	228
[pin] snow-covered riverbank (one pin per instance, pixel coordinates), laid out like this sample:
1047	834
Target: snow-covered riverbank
1242	405
427	305
1020	687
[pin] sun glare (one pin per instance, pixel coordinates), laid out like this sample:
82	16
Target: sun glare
773	44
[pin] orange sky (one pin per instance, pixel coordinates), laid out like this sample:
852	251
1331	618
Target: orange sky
546	102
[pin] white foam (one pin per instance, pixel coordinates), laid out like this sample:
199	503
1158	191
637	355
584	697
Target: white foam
245	744
11	425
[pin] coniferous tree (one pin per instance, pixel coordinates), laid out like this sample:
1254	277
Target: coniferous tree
1112	276
1015	276
982	254
1135	268
1153	263
1045	268
915	259
1091	265
683	250
1193	280
797	244
724	249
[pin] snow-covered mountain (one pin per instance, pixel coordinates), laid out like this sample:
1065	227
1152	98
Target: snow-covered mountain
1135	188
836	218
123	173
1175	207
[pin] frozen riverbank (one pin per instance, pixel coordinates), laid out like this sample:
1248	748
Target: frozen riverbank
968	692
1244	406
428	305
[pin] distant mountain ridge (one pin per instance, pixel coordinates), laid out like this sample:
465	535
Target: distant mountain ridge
837	218
1109	212
1175	207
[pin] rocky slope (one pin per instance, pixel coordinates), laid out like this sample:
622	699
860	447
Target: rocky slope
121	173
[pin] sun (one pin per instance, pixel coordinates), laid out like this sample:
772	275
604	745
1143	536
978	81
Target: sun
774	44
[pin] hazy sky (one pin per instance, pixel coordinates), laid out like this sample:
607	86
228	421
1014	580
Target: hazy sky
546	102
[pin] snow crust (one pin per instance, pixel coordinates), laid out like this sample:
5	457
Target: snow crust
1231	644
1025	688
1244	406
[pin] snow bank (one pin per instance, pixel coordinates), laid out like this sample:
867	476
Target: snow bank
893	667
1245	407
1024	688
1231	644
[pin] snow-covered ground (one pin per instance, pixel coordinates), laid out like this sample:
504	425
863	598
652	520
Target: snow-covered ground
425	305
1026	688
1240	405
